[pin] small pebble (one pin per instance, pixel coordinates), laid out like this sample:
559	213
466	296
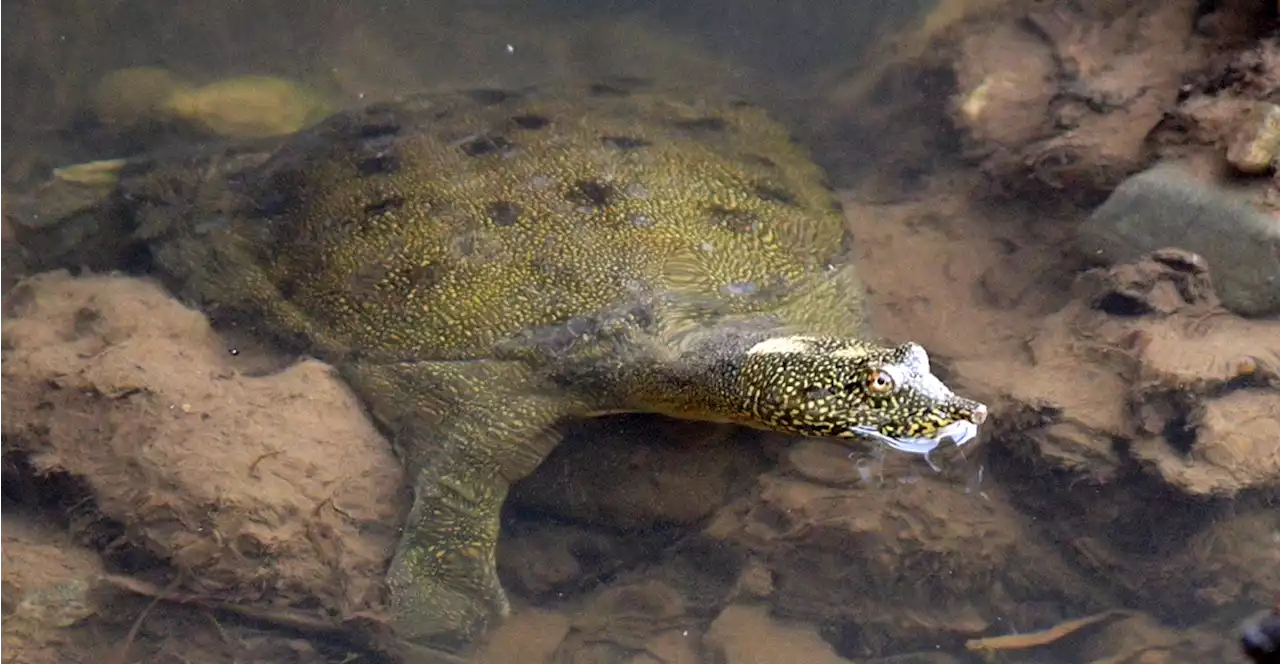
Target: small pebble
1256	143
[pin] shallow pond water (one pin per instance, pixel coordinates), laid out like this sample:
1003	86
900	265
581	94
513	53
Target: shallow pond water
177	490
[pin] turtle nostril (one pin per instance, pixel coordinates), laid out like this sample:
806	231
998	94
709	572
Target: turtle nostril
979	414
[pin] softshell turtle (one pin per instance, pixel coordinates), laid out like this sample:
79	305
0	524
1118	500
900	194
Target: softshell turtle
485	265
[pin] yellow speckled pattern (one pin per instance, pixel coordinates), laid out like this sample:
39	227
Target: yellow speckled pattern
483	265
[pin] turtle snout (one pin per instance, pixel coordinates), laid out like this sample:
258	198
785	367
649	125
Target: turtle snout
979	414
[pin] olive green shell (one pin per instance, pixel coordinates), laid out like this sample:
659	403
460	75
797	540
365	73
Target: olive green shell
439	225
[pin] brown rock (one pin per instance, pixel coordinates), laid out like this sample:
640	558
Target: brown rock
537	557
754	582
1144	409
674	647
1005	81
1232	561
1119	67
952	559
1235	446
529	636
1052	100
48	584
635	472
1256	143
749	635
270	488
623	619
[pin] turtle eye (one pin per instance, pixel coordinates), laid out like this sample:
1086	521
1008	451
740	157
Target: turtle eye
880	382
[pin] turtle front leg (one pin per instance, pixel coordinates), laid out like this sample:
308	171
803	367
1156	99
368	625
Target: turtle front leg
465	431
443	580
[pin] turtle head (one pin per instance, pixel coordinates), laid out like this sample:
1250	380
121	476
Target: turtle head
845	388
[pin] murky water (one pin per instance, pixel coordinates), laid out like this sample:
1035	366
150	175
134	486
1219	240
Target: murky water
181	492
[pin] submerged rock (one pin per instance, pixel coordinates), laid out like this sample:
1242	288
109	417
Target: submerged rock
747	634
1166	207
259	488
48	586
248	106
237	107
1256	144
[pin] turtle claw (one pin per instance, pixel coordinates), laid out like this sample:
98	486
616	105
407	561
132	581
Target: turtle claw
929	460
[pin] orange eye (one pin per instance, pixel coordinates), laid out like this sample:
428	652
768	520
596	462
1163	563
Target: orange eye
880	382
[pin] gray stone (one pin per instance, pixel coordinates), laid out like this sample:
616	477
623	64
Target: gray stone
1168	207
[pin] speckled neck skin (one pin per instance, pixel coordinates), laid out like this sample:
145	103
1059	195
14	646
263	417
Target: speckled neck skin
721	380
681	354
